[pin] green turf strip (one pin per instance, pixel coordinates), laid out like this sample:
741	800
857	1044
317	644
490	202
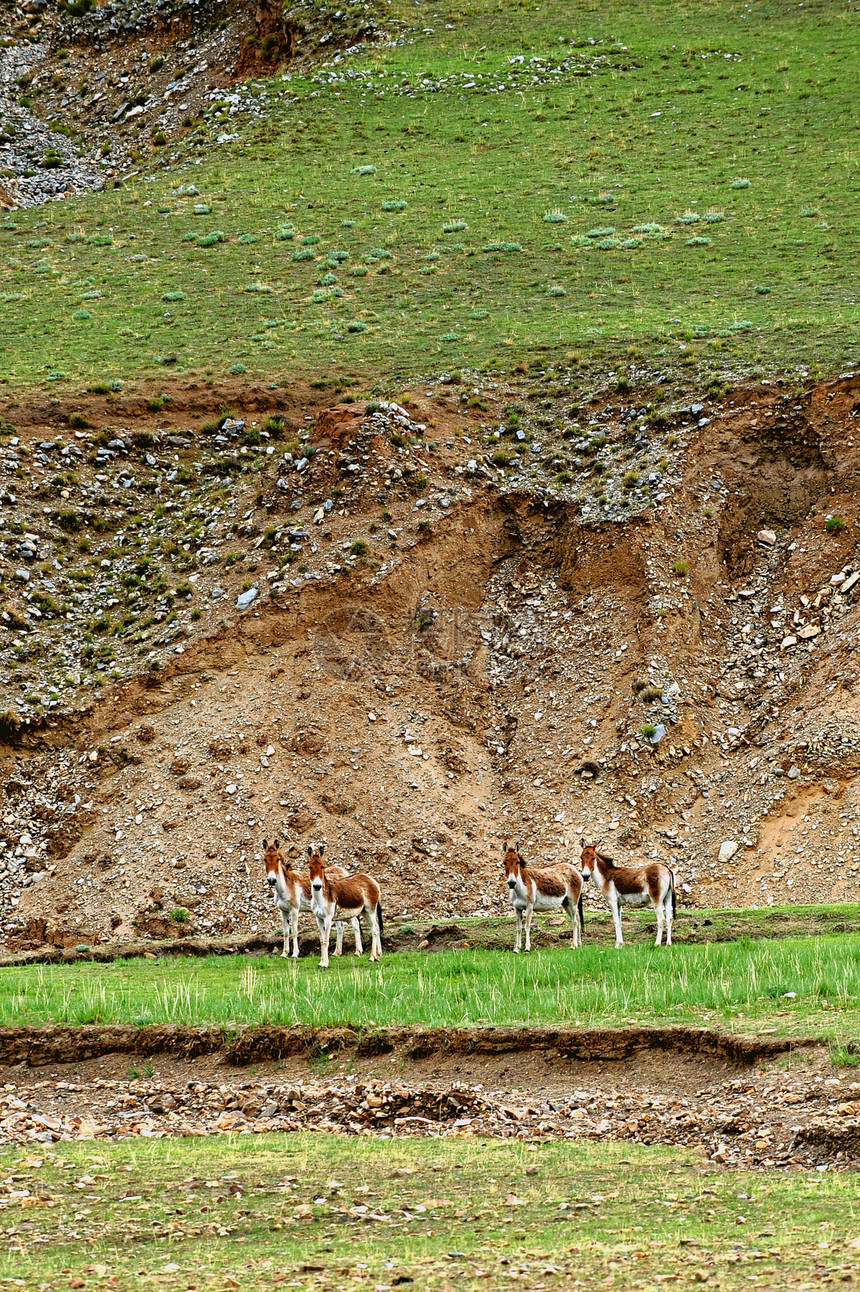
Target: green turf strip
310	1211
790	986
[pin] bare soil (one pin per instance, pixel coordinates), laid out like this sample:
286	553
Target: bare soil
476	679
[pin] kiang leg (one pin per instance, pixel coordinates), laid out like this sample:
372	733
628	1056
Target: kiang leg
667	903
615	907
375	938
356	928
324	926
338	942
294	929
530	910
518	944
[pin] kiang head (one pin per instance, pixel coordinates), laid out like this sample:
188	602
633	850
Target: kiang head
273	860
316	865
512	862
588	858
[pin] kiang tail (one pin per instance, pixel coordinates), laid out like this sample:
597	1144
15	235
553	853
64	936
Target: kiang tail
581	910
379	918
674	904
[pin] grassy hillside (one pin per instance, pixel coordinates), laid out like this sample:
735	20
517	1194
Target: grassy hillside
505	180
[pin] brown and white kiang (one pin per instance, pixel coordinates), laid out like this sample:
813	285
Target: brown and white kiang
550	888
291	890
632	886
343	899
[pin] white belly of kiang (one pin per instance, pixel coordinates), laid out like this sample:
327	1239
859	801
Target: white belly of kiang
634	899
348	912
547	903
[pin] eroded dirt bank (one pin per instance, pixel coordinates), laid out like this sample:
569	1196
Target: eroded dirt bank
727	1096
636	625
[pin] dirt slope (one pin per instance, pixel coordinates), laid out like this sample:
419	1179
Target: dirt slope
90	90
444	650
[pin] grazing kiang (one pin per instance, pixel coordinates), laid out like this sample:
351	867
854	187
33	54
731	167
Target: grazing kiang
292	893
547	889
632	886
343	899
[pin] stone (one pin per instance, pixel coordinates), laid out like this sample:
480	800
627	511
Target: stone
767	538
216	592
809	631
728	848
790	640
793	772
245	598
850	583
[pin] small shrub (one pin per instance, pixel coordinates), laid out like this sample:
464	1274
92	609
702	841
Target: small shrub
358	547
834	524
740	183
454	226
679	568
554	217
179	914
395	204
648	730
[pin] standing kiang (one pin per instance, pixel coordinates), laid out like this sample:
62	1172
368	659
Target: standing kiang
548	888
632	886
291	890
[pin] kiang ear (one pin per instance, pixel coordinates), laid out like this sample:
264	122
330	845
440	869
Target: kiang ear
310	850
505	849
582	843
265	845
517	846
276	843
322	849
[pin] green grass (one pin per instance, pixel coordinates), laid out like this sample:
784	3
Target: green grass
741	985
658	113
310	1211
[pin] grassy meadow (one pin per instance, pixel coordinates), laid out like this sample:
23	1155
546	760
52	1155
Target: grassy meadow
312	1211
791	986
504	182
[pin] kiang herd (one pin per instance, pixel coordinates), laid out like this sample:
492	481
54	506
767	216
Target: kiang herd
336	897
